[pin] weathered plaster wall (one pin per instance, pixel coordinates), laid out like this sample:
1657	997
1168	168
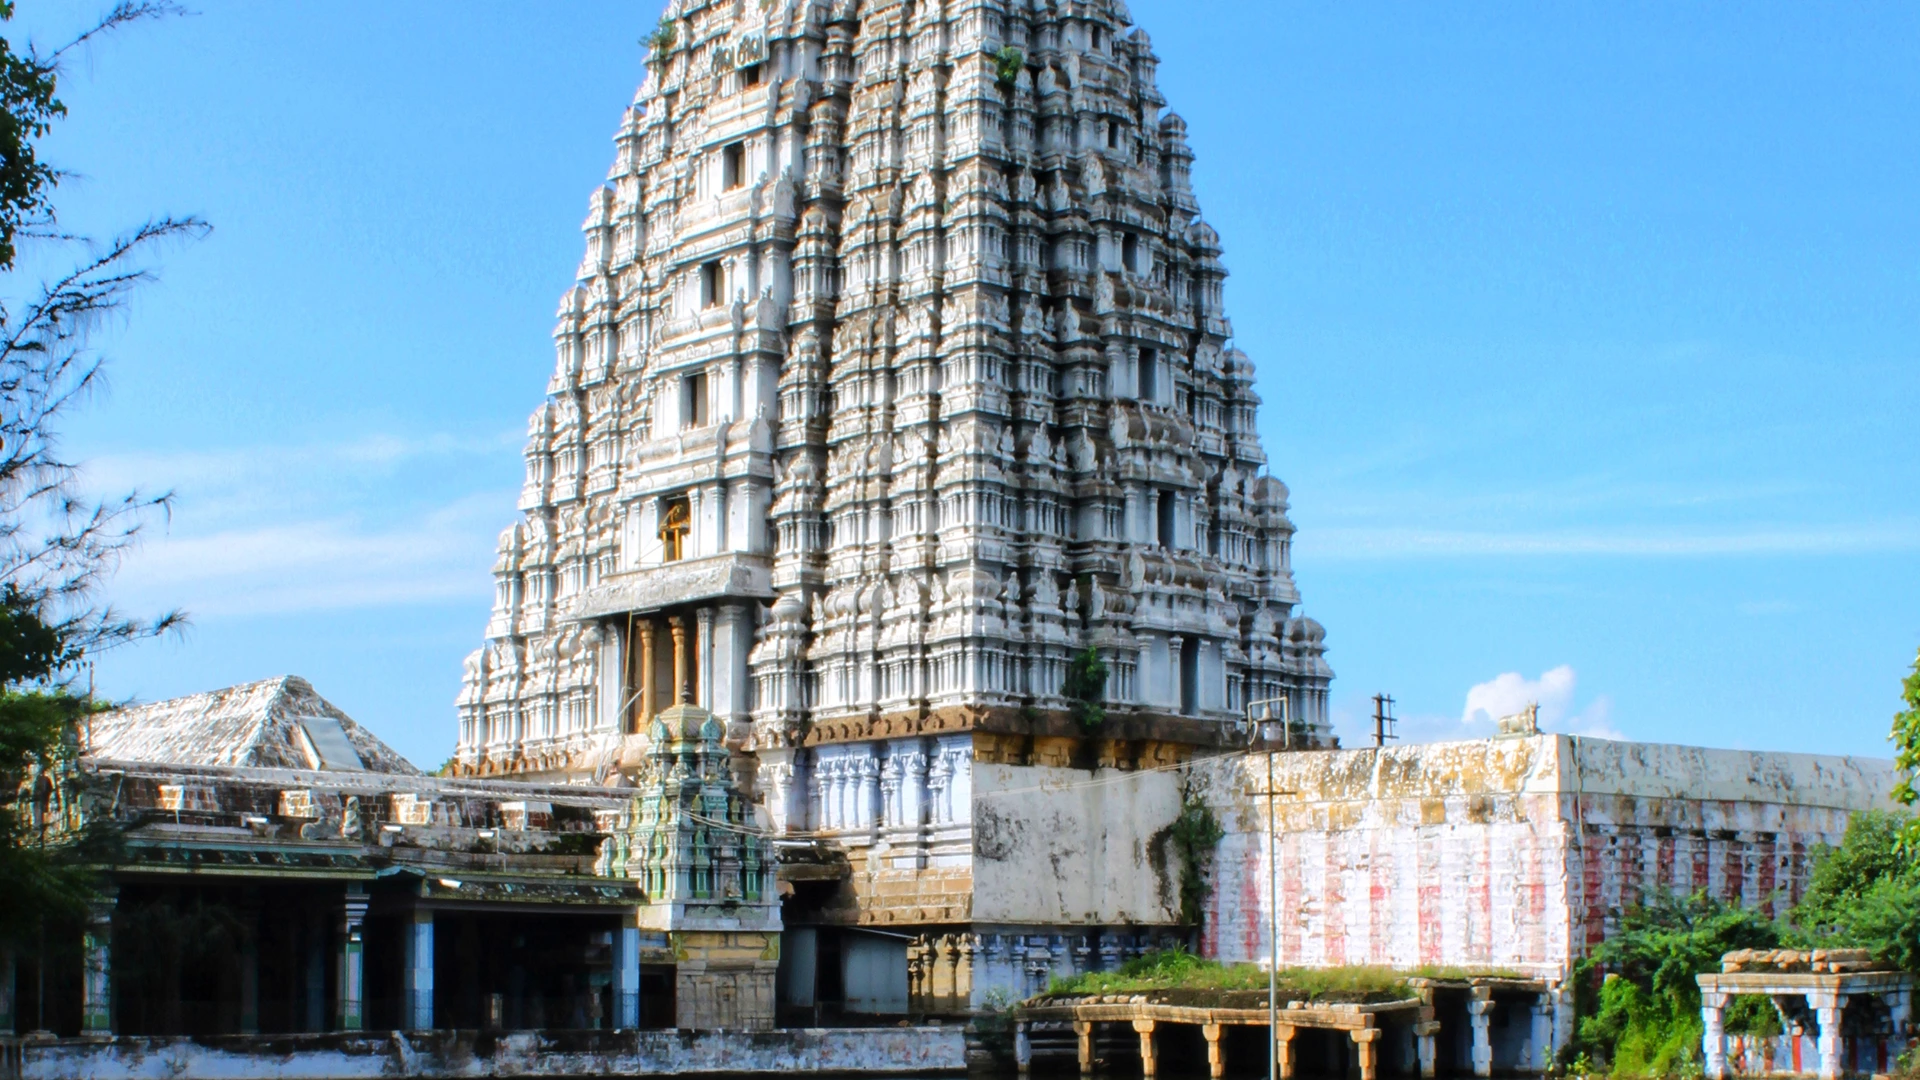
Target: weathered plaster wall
1507	853
891	1051
1068	847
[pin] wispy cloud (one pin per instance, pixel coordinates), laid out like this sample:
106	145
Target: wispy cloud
445	554
1358	543
369	522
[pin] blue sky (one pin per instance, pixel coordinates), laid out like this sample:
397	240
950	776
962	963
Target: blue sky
1587	335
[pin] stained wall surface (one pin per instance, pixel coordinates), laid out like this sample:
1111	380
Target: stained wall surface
1064	847
1513	854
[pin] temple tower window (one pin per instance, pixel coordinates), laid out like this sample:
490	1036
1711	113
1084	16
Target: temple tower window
733	165
675	523
713	284
1145	372
693	400
1166	515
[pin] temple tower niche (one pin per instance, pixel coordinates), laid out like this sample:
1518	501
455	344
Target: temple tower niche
896	379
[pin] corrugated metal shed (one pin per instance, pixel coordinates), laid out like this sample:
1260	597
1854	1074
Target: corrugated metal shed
275	723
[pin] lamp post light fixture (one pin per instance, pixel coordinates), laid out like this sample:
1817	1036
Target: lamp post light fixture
1264	730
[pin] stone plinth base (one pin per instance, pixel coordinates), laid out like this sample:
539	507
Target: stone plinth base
432	1055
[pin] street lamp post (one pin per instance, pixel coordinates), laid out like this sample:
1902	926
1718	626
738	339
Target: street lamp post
1264	730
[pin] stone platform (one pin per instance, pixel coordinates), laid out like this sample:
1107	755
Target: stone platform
893	1051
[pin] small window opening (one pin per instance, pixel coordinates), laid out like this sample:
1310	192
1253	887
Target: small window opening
749	76
1190	676
712	284
1113	136
675	523
1096	38
1130	253
1213	536
1166	519
693	400
1149	360
733	166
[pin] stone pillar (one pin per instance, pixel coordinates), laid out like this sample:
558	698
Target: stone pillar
645	630
703	641
7	996
1022	1048
250	963
1083	1035
1423	1033
678	627
1480	1011
1713	1036
1216	1053
96	1008
1563	1017
1363	1042
1542	1044
351	986
626	978
419	980
1148	1065
1283	1051
1899	1010
313	973
1827	1005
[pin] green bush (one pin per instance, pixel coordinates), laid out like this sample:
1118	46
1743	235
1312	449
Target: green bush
1645	1019
1865	893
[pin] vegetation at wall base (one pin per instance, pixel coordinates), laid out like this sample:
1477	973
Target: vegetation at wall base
1176	976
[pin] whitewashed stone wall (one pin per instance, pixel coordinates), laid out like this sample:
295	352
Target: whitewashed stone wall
1509	853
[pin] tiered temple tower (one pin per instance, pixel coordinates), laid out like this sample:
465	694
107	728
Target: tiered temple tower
896	378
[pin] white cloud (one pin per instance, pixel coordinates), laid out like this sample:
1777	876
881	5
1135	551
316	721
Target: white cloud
312	565
1553	691
369	522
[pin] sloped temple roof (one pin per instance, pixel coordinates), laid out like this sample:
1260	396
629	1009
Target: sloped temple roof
279	723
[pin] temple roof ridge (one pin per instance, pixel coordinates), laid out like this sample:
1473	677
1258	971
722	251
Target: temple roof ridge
281	722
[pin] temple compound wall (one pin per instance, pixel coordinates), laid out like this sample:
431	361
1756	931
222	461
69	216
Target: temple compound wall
1510	855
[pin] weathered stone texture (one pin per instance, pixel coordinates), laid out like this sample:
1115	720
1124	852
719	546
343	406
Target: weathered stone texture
1510	853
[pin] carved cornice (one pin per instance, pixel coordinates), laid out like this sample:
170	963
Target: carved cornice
734	576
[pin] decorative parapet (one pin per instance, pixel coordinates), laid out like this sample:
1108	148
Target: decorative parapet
732	576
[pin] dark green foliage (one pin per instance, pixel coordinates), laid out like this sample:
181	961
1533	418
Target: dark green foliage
46	877
1196	833
1751	1014
1645	1019
27	109
1006	66
1086	687
1865	894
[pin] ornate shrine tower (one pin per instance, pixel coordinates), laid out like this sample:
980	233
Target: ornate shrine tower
896	378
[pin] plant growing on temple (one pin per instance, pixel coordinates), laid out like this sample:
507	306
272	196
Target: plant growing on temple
1086	688
1644	1017
1195	833
58	544
660	42
1006	66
